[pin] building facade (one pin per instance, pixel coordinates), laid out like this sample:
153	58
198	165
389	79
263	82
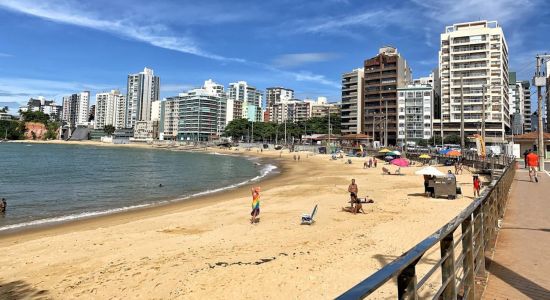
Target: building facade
243	101
275	95
415	111
143	89
110	110
48	107
384	73
516	98
527	112
75	109
146	130
474	58
352	115
290	111
169	119
202	113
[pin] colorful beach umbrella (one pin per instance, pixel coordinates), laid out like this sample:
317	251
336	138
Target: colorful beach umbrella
444	151
388	158
424	156
385	150
394	153
400	162
453	153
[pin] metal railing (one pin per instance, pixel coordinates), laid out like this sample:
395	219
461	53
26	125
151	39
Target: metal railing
462	243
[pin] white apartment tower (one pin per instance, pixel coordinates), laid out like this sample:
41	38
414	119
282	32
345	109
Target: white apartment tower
243	101
415	111
110	109
353	93
143	90
473	57
75	109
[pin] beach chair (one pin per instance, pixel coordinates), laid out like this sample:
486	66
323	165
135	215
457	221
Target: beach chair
308	219
385	171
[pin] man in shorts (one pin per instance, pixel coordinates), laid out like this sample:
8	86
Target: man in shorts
353	190
532	161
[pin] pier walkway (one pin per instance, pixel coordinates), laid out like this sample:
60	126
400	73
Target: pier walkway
520	268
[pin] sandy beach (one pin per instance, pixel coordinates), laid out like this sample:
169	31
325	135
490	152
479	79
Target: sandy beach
206	248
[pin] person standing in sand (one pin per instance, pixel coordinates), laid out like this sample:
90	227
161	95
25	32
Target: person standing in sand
353	190
255	205
374	161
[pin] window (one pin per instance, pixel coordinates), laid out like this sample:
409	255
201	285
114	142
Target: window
401	94
426	93
418	94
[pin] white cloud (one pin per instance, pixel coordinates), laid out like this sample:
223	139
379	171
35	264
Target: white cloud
156	34
298	59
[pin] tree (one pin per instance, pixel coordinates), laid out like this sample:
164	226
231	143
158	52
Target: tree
51	134
109	129
35	116
422	143
12	130
452	139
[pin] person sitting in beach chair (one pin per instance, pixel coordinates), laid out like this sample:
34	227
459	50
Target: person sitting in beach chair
308	219
385	171
398	171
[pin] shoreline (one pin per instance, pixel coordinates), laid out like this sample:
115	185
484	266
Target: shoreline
127	214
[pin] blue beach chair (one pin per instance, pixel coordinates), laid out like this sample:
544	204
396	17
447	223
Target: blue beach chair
308	219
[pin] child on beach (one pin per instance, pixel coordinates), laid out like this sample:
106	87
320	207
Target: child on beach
477	186
255	205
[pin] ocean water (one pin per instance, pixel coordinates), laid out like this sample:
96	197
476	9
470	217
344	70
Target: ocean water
46	183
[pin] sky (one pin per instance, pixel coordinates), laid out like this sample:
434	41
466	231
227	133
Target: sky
54	48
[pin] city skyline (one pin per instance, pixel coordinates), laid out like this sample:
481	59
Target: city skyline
305	47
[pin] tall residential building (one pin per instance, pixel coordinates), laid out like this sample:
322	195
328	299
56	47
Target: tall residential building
75	109
527	126
110	110
48	107
516	98
243	101
353	93
202	113
143	90
275	95
155	110
169	119
321	107
384	73
474	56
290	111
548	96
415	111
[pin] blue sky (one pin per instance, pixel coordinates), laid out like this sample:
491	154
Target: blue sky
53	48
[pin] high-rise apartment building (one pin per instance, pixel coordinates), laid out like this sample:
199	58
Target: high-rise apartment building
527	126
169	119
321	107
243	101
202	112
353	95
110	110
384	73
75	109
275	95
290	111
143	90
415	112
474	58
48	107
516	98
547	96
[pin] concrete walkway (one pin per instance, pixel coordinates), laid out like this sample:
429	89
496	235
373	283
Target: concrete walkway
520	268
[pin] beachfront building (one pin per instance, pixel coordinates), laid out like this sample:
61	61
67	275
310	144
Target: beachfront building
75	109
527	126
243	101
352	114
516	96
384	73
415	111
110	110
48	107
547	106
169	119
275	95
145	131
202	113
290	111
321	107
143	90
474	57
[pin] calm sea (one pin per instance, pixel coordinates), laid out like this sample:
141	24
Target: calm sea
45	183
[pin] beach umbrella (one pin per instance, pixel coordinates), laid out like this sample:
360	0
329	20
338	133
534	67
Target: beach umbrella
429	171
453	153
424	156
388	158
384	150
400	162
394	153
444	151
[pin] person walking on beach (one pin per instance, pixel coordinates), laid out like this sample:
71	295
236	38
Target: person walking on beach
370	163
374	161
298	157
353	190
477	186
294	157
255	205
532	160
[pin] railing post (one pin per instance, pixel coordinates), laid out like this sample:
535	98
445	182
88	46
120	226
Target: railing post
468	263
479	240
406	283
448	267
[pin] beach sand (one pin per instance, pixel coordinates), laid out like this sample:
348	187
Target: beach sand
207	248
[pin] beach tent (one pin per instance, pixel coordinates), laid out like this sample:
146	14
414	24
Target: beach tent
429	171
